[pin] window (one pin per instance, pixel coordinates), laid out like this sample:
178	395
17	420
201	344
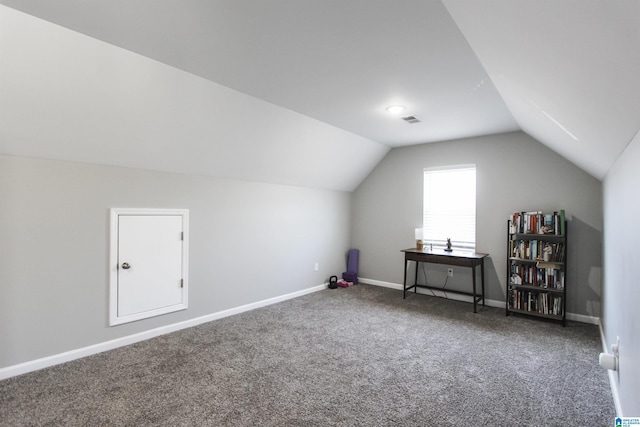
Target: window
450	206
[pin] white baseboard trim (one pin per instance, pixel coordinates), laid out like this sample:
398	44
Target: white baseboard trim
593	320
391	285
456	297
67	356
491	303
612	375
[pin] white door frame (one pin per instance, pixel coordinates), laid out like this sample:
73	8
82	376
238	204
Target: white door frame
114	319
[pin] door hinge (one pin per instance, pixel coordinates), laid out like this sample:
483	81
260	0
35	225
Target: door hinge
182	283
182	235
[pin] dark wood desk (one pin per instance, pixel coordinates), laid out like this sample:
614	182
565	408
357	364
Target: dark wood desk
440	256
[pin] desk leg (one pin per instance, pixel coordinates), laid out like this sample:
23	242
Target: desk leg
475	301
415	279
404	288
482	278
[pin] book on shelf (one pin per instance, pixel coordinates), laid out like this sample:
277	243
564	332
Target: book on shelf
545	278
535	222
536	250
536	264
537	302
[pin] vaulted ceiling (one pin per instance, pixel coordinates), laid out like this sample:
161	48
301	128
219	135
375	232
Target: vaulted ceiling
565	72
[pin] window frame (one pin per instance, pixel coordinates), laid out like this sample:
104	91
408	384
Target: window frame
440	240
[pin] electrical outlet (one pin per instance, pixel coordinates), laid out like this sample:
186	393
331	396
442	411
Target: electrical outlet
316	266
450	272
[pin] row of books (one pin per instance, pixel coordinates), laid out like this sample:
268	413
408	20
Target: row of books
534	276
537	223
537	302
537	250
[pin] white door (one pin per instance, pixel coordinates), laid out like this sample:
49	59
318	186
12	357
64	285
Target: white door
149	269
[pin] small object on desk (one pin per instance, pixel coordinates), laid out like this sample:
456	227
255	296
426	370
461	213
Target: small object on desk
419	238
448	248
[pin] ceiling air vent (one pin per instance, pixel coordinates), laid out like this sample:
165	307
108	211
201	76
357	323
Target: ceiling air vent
411	119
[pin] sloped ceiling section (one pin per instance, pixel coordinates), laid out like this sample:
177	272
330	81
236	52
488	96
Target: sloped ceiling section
67	96
569	70
341	62
288	91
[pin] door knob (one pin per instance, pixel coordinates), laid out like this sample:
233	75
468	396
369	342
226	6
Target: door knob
125	266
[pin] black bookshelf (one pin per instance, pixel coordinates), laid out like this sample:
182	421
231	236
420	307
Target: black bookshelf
537	265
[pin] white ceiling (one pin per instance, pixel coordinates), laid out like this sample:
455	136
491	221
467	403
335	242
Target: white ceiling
568	70
565	72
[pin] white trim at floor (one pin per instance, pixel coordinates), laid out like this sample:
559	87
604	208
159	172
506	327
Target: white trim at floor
491	303
56	359
612	376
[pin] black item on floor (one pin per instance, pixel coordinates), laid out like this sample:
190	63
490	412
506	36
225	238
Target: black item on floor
333	282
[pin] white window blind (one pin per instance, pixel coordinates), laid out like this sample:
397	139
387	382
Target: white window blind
450	206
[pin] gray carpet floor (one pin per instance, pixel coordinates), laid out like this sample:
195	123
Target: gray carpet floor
360	356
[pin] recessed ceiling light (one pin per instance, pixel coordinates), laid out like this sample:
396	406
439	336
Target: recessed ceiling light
395	109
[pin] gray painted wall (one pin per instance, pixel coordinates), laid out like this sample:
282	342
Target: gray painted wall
622	290
68	96
248	242
514	173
